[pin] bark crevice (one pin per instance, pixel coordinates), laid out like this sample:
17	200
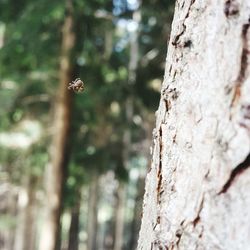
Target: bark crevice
243	64
197	219
236	172
176	39
159	174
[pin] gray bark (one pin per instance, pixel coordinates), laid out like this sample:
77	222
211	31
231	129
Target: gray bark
197	190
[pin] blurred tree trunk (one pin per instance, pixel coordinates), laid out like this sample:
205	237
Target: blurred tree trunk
119	216
8	209
29	233
127	138
25	231
108	43
197	191
59	237
59	148
93	213
74	225
135	225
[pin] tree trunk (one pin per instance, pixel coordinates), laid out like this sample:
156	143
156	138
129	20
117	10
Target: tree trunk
8	212
25	230
119	216
135	224
127	137
59	149
93	213
29	233
197	191
74	225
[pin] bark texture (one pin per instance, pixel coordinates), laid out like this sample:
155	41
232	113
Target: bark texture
59	147
197	191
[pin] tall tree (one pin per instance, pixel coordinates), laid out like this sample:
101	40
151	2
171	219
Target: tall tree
59	148
127	137
93	213
26	227
119	216
196	191
74	224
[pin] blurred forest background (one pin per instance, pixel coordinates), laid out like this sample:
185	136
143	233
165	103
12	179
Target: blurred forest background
72	165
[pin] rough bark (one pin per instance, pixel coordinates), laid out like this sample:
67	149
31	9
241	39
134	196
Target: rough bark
197	189
59	148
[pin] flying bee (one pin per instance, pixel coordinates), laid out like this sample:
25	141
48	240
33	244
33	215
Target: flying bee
77	85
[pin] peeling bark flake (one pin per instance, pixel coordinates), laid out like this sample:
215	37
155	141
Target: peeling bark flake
178	234
236	171
175	41
243	64
197	219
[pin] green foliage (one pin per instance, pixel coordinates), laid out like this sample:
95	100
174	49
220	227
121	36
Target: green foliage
29	62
